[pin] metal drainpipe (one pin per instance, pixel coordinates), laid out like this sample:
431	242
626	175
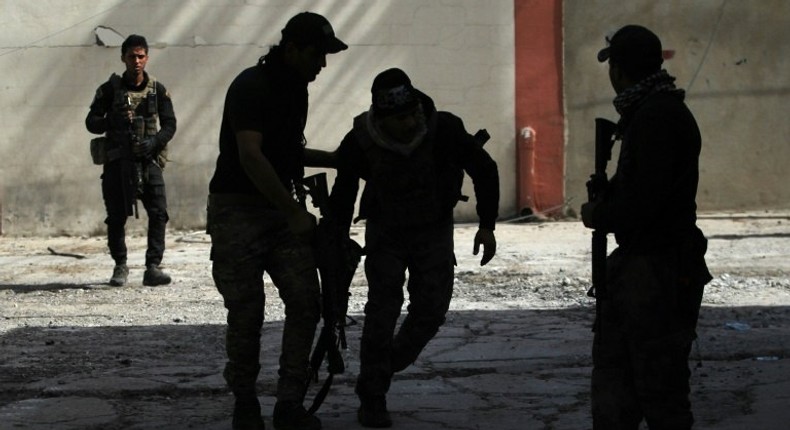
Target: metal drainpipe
525	159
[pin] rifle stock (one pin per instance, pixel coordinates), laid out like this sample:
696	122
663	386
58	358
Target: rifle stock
596	186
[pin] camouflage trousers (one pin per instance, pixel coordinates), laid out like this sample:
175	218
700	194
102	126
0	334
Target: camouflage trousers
245	242
427	254
642	341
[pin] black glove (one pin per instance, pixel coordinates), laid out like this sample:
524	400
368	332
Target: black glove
118	119
145	148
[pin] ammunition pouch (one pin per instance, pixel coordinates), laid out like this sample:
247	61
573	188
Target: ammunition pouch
161	158
99	150
101	153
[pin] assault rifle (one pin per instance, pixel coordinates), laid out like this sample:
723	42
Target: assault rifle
596	186
137	177
139	169
337	257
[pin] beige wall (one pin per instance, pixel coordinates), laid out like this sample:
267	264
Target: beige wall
732	56
734	59
460	52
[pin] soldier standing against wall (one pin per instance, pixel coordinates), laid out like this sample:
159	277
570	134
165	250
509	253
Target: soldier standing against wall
256	225
413	159
655	277
127	108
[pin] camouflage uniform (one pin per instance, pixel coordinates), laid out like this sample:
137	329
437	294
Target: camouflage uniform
427	253
248	239
119	189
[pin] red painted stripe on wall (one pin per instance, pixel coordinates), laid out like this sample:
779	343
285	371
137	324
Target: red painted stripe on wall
540	119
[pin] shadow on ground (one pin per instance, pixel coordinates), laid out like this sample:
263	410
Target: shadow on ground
508	369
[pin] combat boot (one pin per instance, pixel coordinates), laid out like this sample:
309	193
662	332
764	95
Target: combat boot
247	414
373	412
119	275
293	416
153	276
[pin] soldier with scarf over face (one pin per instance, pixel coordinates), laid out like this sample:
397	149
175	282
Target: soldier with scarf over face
655	277
412	158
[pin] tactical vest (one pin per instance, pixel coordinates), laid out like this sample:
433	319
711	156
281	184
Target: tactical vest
406	188
145	122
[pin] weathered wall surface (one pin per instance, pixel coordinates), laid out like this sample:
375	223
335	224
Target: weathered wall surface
459	52
733	57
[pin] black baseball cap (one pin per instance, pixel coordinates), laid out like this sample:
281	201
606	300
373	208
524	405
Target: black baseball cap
308	28
392	93
633	44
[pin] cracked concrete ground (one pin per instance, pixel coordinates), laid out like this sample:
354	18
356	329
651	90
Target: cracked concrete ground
76	353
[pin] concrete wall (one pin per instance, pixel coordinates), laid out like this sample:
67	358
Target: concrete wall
458	51
733	57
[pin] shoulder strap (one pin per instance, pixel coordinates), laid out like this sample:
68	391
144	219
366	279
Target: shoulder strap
152	83
153	105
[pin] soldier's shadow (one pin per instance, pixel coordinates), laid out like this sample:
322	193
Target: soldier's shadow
53	286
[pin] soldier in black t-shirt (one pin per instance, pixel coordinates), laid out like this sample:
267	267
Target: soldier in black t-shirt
256	225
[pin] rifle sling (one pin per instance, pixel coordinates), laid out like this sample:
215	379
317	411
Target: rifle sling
321	395
322	350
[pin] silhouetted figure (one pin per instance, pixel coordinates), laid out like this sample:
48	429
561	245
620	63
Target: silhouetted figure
655	277
257	226
129	109
413	159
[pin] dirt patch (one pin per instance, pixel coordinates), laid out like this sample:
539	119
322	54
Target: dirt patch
155	355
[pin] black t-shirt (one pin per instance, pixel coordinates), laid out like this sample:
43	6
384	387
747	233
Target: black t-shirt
269	99
650	202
